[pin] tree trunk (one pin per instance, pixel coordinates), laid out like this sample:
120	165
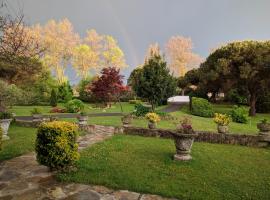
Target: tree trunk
183	92
120	105
252	104
153	106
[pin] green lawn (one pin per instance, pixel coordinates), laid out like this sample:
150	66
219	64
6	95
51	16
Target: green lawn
145	165
199	123
21	141
90	108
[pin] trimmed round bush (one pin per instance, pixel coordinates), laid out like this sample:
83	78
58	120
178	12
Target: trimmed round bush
201	107
56	145
74	106
239	114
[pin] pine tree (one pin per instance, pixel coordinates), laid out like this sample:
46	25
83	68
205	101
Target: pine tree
53	99
155	82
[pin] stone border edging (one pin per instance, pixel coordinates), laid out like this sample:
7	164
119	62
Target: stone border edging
205	136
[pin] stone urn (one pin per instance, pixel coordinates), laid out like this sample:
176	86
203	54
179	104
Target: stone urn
83	120
264	128
183	140
152	125
5	126
222	129
126	120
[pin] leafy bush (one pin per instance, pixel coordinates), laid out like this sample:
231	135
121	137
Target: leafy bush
165	116
74	106
36	111
135	101
5	115
127	95
9	95
234	96
201	107
84	93
239	114
141	110
53	99
56	145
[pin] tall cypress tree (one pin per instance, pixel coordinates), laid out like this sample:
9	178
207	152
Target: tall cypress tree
53	99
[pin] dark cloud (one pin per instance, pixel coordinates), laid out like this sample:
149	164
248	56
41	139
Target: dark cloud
137	23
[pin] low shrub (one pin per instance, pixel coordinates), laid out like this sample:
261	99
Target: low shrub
141	110
239	114
234	96
6	115
165	116
135	101
74	106
58	110
201	107
56	145
36	111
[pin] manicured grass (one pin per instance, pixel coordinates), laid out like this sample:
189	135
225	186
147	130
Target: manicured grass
145	165
89	108
199	123
21	141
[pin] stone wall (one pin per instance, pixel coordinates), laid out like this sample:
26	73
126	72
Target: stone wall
203	136
25	123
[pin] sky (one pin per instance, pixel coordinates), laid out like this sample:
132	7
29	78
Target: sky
138	23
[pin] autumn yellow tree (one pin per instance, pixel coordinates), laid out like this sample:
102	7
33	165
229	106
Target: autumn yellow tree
59	39
152	50
112	55
180	56
94	40
84	59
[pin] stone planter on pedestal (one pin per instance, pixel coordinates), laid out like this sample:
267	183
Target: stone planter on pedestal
222	129
5	126
183	143
152	125
126	120
83	120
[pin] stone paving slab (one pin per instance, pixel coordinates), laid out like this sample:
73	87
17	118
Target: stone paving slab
22	178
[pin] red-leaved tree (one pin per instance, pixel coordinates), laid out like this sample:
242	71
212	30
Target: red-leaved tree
109	86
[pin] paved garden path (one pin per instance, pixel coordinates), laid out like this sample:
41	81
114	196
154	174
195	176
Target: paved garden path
171	108
23	178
